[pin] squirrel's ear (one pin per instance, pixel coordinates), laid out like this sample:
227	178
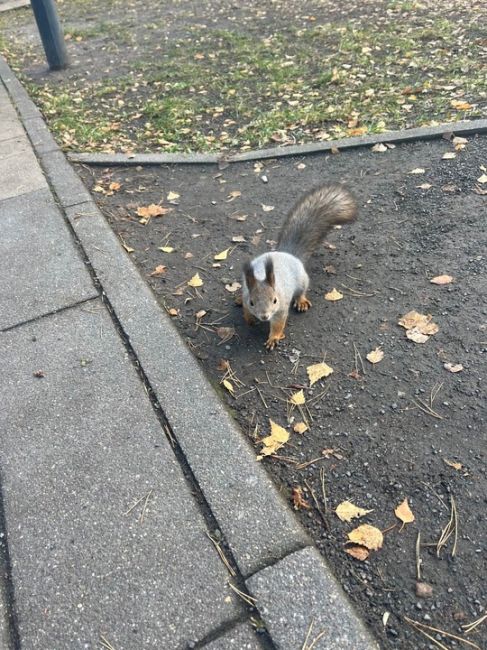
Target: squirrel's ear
249	275
269	272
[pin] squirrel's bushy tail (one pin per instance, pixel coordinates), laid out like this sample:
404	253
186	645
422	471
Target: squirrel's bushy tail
313	216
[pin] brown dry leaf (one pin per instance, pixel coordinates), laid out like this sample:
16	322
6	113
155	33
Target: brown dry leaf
441	279
453	367
172	197
114	187
360	130
277	438
415	335
298	398
346	511
404	513
333	295
152	210
299	502
267	208
167	249
458	140
449	155
376	355
379	148
223	255
235	286
159	270
233	195
317	371
229	386
199	314
225	333
422	322
173	312
357	552
300	427
368	536
451	463
330	269
195	281
459	105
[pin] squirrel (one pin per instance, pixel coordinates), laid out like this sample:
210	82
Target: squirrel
273	280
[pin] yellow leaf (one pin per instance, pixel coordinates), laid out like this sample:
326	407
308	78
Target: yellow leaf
420	321
460	106
414	334
300	427
317	371
357	552
173	312
228	386
441	279
346	511
333	295
403	512
199	314
233	195
482	179
128	248
223	255
195	281
267	208
172	196
368	536
376	355
417	170
151	210
360	130
298	398
166	249
449	155
277	438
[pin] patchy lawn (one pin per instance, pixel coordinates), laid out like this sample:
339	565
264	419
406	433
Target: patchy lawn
212	76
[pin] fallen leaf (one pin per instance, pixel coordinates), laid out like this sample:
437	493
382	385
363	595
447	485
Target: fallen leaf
376	355
417	170
173	312
368	536
114	187
317	371
330	269
458	140
233	195
300	427
235	286
223	255
346	511
424	590
449	155
453	367
187	256
238	239
225	333
423	323
441	279
460	105
229	386
424	186
301	166
195	281
151	210
385	618
172	197
269	208
299	502
479	190
277	438
361	130
457	466
333	295
199	314
379	148
482	179
415	335
159	270
167	249
298	398
403	512
357	552
128	248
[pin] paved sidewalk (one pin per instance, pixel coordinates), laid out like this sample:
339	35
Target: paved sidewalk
117	460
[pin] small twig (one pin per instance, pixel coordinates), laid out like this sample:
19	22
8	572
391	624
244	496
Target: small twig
144	508
261	397
358	294
317	505
469	627
358	356
418	557
250	600
307	463
221	554
323	490
105	643
418	625
137	503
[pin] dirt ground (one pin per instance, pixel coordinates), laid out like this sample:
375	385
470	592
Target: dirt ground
404	427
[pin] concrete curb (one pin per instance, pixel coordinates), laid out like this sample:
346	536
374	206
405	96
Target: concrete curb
394	137
260	531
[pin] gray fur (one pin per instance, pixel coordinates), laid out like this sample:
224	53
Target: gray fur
313	216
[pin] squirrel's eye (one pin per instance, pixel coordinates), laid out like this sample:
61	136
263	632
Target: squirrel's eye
275	300
251	303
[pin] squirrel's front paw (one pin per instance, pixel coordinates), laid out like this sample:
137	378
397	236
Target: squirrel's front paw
272	341
302	303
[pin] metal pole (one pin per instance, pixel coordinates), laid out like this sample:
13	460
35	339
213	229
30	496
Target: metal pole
47	20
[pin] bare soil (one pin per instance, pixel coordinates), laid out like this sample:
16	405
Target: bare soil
390	430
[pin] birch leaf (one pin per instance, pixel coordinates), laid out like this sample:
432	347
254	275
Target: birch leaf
346	511
317	371
195	281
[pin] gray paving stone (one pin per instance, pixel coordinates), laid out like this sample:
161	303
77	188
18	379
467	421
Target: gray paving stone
23	102
19	169
299	590
79	447
64	179
40	136
257	523
240	637
7	5
11	126
40	267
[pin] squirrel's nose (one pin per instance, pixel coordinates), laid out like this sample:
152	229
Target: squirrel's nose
265	317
